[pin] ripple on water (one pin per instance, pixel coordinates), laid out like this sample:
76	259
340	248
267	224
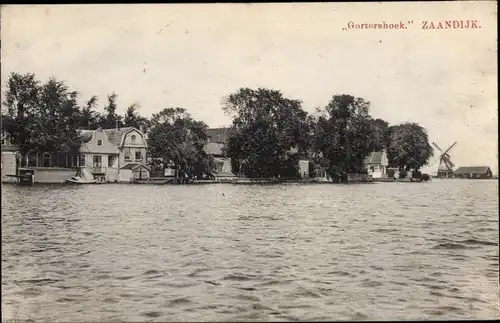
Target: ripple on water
370	283
182	253
152	314
479	242
450	245
341	273
247	298
239	277
197	273
180	301
272	282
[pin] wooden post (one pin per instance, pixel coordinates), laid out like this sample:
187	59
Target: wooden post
118	171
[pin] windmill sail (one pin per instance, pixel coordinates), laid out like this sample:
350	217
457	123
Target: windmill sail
448	150
437	147
446	166
450	164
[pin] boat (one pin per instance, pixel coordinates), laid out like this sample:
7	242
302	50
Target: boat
80	180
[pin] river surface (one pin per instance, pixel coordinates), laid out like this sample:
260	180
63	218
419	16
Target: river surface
384	251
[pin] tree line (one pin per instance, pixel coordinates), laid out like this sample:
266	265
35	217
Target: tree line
268	135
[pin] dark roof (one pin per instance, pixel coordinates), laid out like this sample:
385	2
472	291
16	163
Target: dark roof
374	158
115	135
213	148
218	135
472	170
134	166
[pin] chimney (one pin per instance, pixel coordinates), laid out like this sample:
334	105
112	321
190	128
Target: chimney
142	128
116	124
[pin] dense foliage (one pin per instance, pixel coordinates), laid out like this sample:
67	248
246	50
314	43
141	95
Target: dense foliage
409	146
47	116
268	136
342	135
268	132
177	139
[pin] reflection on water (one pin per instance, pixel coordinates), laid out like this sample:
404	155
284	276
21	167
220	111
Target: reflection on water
386	251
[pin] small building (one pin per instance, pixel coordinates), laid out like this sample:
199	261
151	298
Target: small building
304	169
444	172
376	164
10	154
216	140
138	171
473	172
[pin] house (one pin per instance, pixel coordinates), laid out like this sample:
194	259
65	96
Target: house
304	169
115	155
110	155
376	164
217	138
9	158
473	172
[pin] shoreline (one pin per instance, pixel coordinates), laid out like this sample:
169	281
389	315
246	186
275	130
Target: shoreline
240	181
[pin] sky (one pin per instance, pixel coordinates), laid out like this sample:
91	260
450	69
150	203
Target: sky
192	55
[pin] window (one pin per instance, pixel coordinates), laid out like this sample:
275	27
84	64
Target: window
111	161
138	155
32	159
46	160
99	142
132	138
97	161
127	154
62	160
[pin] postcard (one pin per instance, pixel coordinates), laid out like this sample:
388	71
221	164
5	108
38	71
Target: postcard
250	162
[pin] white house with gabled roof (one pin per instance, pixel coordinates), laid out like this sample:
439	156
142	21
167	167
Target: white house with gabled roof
114	155
376	164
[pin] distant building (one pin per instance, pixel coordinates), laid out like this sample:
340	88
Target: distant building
304	169
473	172
10	156
217	139
376	164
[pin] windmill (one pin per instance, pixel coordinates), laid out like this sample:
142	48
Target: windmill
445	168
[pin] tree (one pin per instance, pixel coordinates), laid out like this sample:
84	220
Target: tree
44	116
409	146
132	117
268	131
89	118
21	100
111	119
342	134
379	138
177	138
57	117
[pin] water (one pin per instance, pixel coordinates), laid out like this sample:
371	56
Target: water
385	251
